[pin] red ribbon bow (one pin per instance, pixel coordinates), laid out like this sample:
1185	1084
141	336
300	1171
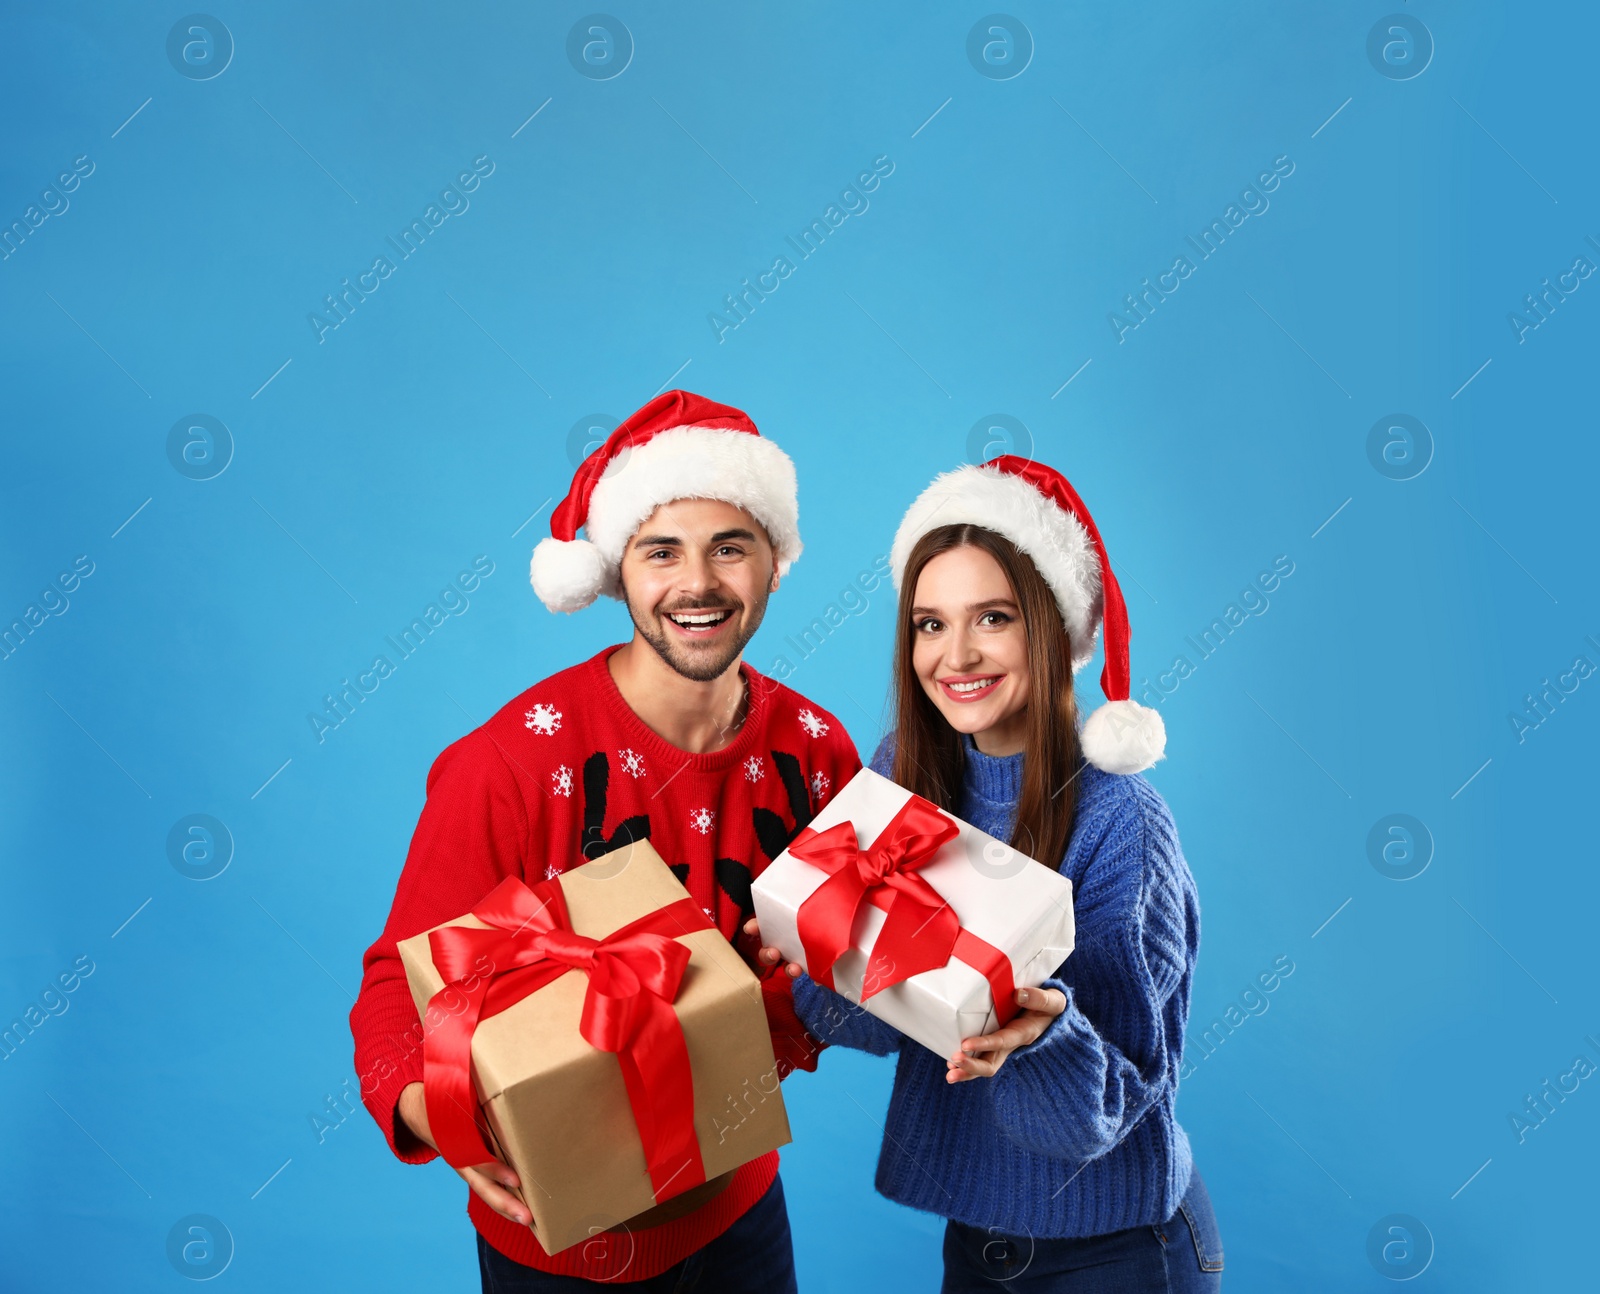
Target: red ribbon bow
920	930
633	974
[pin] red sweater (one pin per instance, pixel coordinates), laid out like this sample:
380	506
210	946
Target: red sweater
565	773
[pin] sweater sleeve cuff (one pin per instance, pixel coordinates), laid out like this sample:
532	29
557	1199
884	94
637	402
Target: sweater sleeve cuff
839	1021
390	1062
384	1104
793	1046
1070	1021
1069	1040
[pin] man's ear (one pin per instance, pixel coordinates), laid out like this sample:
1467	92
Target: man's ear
772	552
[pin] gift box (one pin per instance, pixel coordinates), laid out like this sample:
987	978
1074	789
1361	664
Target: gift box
600	1036
922	919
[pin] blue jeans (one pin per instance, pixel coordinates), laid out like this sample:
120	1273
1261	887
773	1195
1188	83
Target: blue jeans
753	1256
1182	1255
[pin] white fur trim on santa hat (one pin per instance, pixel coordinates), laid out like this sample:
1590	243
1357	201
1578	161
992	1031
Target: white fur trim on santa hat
1124	737
747	471
1056	541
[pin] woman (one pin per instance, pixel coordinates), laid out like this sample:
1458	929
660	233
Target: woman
1064	1169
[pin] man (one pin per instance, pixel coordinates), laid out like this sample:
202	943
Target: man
691	519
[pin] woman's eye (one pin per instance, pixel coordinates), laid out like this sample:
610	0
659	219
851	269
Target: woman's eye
997	617
929	625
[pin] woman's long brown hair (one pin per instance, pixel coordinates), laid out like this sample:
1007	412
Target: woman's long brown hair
928	751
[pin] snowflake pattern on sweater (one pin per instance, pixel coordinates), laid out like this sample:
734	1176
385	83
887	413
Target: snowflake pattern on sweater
542	719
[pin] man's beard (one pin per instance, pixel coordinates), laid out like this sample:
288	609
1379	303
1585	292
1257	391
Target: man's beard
700	665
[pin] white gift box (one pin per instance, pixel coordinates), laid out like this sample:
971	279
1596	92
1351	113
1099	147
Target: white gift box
1021	907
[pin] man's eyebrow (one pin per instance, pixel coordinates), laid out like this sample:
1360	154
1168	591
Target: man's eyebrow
971	606
672	541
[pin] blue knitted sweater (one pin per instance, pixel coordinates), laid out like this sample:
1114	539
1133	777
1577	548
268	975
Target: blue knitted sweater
1075	1135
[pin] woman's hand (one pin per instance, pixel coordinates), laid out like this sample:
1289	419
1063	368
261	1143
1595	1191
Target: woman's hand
771	956
491	1182
982	1057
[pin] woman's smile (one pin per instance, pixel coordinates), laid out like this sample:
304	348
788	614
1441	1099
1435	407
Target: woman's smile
970	687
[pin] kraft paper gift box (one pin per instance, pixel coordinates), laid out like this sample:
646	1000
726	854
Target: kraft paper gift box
558	1109
1013	911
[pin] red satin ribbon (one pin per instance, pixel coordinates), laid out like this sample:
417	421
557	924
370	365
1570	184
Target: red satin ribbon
633	974
983	957
920	930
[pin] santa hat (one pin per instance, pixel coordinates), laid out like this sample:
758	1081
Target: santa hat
1036	508
679	446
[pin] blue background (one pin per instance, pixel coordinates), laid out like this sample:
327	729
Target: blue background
1231	427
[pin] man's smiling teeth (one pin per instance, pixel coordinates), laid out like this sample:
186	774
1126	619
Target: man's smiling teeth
699	618
972	686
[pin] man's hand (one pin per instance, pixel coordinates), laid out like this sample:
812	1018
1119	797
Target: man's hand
771	956
982	1057
492	1182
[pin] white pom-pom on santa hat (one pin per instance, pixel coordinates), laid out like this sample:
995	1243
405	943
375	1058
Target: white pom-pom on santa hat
567	574
1124	737
679	446
1036	508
